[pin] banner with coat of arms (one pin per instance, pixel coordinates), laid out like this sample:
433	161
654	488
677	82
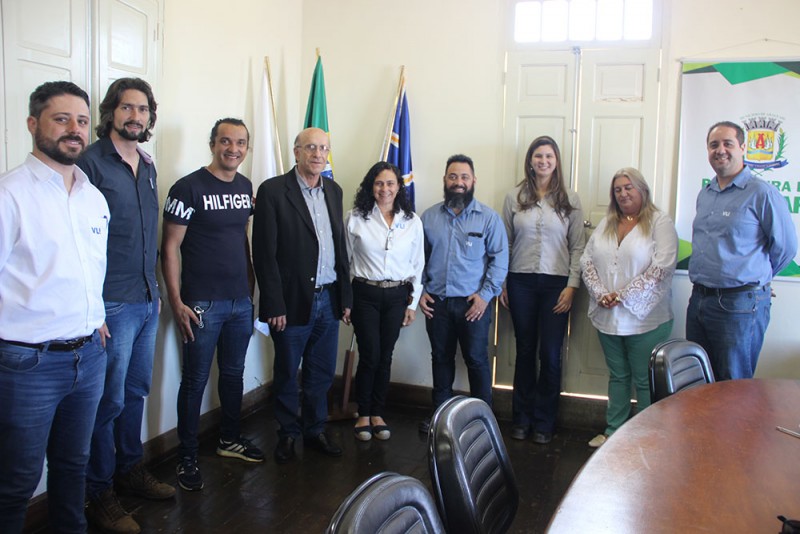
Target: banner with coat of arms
763	98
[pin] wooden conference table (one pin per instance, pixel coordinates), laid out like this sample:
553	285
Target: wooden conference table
707	459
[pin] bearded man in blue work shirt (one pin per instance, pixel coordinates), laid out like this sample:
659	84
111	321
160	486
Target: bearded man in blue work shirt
742	236
466	262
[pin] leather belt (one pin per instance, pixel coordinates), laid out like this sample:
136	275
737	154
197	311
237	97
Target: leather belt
58	345
716	291
383	284
320	289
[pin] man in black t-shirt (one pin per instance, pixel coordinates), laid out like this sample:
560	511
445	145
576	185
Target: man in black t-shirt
205	258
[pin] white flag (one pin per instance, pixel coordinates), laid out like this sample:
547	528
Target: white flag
266	157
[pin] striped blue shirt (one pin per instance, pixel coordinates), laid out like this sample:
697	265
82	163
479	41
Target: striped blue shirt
315	200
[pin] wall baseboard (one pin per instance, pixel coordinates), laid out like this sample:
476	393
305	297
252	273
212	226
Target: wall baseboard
574	412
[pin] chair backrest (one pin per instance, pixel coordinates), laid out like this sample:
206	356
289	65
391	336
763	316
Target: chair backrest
473	481
678	364
387	503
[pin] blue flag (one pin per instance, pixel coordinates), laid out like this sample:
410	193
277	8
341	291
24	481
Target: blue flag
400	145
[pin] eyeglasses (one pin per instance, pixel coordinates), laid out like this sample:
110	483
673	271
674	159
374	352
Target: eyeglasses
324	149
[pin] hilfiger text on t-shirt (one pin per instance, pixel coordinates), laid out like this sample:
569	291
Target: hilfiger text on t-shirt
226	202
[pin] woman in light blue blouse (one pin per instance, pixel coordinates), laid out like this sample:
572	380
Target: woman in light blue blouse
544	222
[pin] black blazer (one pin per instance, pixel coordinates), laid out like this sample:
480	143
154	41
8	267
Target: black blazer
285	250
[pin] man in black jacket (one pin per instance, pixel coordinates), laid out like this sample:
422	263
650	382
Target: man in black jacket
300	261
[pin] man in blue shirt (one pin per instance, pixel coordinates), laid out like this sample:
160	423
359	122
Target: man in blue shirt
742	236
466	253
126	176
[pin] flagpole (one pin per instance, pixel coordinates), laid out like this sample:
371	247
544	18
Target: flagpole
387	139
274	115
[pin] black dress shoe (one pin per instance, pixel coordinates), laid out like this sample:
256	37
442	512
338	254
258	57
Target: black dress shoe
520	432
543	438
284	452
322	444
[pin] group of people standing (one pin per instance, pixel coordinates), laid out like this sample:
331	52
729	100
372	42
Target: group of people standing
80	304
80	300
742	237
627	267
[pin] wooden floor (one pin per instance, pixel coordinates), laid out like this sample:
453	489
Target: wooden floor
301	497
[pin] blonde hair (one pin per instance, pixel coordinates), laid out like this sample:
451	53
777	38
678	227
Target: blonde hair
647	210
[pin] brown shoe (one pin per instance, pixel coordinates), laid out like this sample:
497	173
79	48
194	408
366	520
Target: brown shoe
107	515
138	481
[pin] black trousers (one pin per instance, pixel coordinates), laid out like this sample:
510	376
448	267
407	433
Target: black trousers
377	317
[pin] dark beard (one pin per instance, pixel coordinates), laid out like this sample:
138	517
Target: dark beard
125	134
458	201
51	149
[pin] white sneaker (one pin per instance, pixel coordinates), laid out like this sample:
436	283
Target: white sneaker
598	440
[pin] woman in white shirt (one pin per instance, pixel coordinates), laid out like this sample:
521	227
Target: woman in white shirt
385	243
544	223
627	267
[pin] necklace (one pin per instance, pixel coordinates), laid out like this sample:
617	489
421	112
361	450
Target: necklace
630	218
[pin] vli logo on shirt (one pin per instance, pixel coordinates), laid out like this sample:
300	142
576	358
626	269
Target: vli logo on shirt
97	230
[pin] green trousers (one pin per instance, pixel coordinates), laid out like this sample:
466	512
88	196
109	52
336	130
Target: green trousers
627	358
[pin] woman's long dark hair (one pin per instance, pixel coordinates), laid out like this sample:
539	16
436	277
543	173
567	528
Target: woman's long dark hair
527	194
364	200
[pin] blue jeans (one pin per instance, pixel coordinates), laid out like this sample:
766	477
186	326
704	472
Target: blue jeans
730	328
227	327
449	327
117	437
315	344
48	402
531	299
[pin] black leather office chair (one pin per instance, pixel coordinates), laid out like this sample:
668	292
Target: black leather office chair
387	503
473	481
677	364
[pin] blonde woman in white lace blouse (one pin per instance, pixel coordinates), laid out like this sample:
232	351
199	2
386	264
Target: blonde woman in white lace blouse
627	267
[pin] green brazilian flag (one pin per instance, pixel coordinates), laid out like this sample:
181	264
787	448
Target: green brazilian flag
317	111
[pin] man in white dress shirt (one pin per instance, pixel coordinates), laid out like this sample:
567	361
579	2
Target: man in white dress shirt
53	231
